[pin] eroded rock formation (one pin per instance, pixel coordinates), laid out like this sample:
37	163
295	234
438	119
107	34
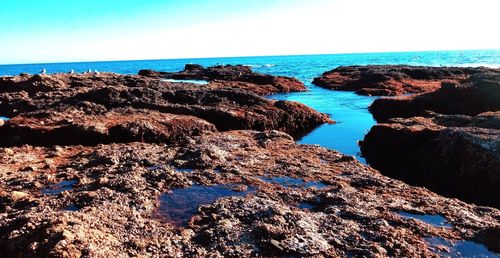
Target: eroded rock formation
454	155
392	80
480	93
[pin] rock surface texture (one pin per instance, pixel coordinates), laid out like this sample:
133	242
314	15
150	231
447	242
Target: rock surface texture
335	206
233	76
392	80
131	166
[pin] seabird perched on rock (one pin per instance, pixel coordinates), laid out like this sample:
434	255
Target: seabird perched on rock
96	72
72	71
44	71
90	71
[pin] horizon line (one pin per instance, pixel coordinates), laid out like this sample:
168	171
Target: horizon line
243	56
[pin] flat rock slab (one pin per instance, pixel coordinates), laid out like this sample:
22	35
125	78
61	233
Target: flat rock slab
110	207
393	80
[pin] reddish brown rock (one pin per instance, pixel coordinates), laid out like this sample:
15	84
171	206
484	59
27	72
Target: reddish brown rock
391	80
293	200
454	155
233	76
480	93
76	127
96	95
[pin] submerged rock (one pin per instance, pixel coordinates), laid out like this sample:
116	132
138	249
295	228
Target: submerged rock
391	80
454	155
480	93
233	76
113	208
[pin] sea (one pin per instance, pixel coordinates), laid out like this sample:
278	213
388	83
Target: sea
349	110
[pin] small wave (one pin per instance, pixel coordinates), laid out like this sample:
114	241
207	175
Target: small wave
258	66
201	82
254	66
478	65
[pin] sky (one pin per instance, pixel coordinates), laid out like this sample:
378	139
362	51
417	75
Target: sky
41	31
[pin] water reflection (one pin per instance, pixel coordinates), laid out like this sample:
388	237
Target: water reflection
179	205
348	109
62	186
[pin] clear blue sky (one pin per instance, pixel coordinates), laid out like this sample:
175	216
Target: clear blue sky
61	30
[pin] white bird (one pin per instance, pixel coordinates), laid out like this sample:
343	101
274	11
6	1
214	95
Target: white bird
44	71
96	72
90	71
72	71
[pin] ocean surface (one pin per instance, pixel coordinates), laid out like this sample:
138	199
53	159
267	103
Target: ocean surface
348	109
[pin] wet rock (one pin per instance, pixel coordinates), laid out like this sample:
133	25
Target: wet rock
391	80
454	155
479	93
233	76
355	215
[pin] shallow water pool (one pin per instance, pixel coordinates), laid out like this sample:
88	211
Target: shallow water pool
62	186
435	220
179	205
461	248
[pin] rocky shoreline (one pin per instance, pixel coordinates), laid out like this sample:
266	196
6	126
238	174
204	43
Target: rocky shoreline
447	140
47	109
108	165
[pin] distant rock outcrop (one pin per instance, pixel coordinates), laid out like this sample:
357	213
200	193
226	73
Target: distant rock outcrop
392	80
233	76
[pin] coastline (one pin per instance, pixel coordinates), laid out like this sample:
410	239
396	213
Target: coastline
134	141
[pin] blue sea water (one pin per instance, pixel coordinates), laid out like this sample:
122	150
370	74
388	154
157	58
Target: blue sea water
348	109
